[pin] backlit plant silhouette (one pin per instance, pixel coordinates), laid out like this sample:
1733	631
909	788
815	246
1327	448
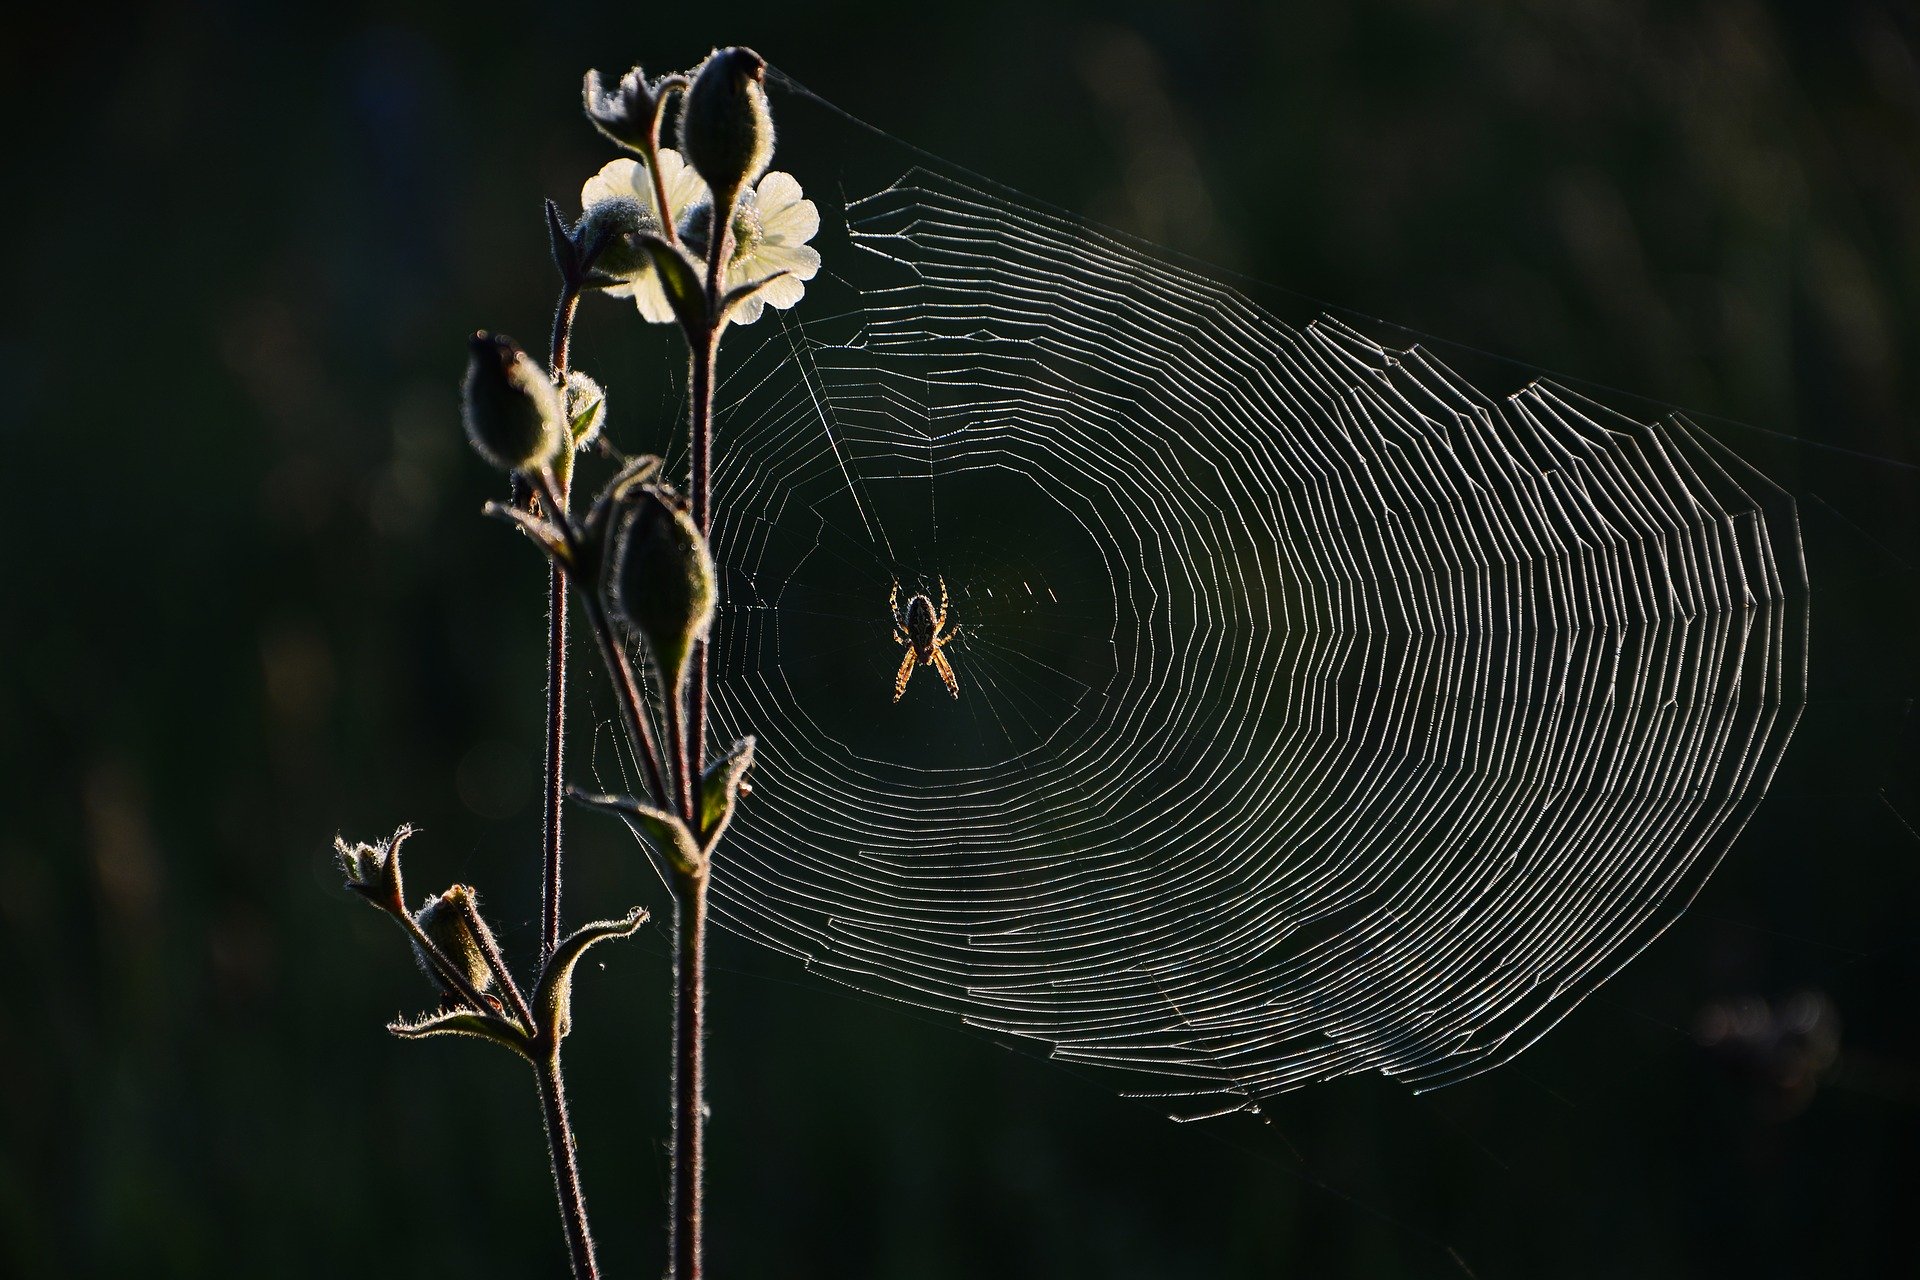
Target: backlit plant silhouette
703	237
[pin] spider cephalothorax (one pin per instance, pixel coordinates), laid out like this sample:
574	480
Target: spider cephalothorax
923	629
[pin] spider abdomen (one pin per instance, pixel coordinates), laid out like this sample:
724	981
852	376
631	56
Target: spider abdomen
920	626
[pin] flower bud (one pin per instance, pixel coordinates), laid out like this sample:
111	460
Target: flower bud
726	128
660	578
511	408
586	407
443	919
626	112
607	236
373	870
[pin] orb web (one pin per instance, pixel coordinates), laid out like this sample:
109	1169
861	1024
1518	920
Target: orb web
1318	714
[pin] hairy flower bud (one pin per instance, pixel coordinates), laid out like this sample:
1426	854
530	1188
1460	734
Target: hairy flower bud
443	918
660	577
726	127
586	408
626	112
511	408
607	234
373	870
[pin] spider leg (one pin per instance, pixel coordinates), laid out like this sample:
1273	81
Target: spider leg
945	669
943	603
899	636
893	600
905	674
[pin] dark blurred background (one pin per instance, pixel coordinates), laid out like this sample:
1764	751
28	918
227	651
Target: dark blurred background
247	603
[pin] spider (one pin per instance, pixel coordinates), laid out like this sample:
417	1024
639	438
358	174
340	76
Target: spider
925	633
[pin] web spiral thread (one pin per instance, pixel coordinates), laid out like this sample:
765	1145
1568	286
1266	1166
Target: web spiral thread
1318	714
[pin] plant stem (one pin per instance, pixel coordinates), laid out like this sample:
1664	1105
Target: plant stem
627	689
555	787
497	964
706	345
703	365
690	891
566	1174
683	774
689	1086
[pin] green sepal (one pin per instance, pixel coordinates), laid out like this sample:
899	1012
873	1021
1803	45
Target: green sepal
373	870
460	1022
586	408
663	830
553	997
566	255
682	279
550	539
635	473
720	786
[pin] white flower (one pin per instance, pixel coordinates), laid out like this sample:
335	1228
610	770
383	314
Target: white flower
627	182
771	226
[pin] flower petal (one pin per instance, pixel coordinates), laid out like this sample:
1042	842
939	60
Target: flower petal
794	224
775	192
782	292
617	179
650	296
800	261
683	186
747	310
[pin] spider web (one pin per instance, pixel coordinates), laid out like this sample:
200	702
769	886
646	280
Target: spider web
1318	714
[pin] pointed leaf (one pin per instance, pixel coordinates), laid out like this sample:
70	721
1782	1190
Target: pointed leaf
550	538
720	787
461	1022
663	830
636	472
740	293
566	256
552	999
681	277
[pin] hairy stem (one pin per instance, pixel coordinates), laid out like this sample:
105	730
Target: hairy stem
689	1087
683	774
690	891
555	787
566	1174
627	688
497	964
706	345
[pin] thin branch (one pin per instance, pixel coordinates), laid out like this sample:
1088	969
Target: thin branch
566	1173
554	791
627	689
497	963
447	971
689	1070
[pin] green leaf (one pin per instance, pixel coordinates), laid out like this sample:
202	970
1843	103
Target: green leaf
553	997
681	277
460	1022
663	830
720	786
740	293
